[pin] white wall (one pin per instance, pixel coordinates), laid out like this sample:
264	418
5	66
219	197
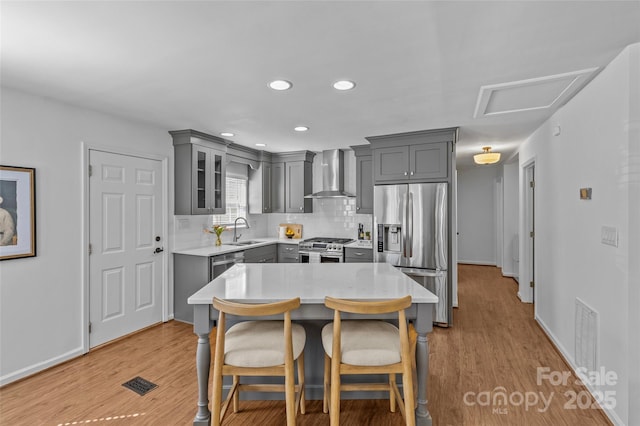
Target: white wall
477	215
41	298
599	131
510	220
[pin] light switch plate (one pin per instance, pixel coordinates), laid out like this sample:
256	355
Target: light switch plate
610	236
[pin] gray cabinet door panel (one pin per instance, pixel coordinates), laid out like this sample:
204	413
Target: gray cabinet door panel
391	164
429	161
364	185
277	188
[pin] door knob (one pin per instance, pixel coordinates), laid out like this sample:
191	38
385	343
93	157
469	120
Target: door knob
158	250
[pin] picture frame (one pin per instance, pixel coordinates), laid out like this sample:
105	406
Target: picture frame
17	212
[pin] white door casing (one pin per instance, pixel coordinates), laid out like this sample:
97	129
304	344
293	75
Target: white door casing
125	232
530	223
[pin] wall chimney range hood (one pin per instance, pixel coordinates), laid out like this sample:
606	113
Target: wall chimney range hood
332	176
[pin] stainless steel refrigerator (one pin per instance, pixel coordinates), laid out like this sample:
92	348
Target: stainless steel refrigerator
411	232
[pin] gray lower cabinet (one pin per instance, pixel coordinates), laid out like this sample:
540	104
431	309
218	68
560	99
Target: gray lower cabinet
264	254
288	253
190	274
358	255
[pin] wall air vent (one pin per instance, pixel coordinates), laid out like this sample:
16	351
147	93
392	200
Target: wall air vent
533	94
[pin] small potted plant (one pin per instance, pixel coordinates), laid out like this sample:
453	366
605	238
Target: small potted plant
367	235
218	230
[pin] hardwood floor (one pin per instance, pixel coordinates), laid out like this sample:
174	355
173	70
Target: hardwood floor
494	343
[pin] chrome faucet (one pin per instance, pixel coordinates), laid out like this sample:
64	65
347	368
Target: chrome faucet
235	227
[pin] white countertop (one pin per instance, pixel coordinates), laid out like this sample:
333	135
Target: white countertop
364	244
226	248
268	282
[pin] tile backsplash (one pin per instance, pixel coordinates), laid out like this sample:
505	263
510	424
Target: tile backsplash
331	217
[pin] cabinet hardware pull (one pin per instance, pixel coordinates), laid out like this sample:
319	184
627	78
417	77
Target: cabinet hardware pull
405	173
411	173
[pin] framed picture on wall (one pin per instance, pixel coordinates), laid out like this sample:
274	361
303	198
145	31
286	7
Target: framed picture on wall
17	212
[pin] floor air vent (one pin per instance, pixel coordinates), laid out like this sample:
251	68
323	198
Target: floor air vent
140	385
586	349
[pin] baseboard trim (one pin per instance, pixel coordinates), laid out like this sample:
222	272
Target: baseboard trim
41	366
476	262
568	360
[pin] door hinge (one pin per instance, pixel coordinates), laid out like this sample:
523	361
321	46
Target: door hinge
90	170
90	250
532	184
89	327
531	284
532	234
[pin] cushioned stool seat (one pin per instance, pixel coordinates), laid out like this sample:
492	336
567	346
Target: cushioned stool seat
259	343
365	342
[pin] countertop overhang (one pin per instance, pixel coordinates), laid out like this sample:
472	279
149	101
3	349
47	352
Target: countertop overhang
263	283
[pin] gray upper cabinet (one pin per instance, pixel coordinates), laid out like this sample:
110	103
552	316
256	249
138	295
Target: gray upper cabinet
417	156
277	188
391	164
260	188
199	173
299	183
292	180
364	179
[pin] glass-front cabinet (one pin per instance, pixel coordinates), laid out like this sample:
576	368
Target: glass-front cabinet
208	197
199	173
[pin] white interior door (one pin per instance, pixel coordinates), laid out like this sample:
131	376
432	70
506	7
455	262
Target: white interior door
125	233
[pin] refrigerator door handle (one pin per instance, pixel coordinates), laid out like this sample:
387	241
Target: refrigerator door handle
410	222
405	230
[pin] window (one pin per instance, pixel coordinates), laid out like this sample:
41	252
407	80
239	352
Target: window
236	187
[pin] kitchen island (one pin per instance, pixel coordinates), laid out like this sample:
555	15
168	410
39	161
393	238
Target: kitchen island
265	283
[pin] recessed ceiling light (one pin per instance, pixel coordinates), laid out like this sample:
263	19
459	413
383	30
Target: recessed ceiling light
280	85
261	144
301	128
227	134
344	85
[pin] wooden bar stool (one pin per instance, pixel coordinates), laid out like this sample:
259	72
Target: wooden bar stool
367	347
258	348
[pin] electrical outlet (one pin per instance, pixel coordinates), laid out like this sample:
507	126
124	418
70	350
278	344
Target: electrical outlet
609	236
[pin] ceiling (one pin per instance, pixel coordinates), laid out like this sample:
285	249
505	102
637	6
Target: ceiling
205	65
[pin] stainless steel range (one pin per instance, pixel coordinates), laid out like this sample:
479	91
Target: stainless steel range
322	250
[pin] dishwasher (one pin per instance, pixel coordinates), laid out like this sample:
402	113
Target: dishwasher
220	263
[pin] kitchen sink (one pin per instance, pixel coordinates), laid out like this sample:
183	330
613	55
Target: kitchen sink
244	243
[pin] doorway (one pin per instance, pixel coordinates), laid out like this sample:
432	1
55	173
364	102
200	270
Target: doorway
530	186
126	219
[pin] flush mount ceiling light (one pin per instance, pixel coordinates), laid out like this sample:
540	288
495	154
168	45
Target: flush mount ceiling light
227	134
261	144
487	157
280	85
344	85
301	128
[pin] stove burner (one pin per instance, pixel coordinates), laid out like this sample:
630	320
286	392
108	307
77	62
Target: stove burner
327	240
